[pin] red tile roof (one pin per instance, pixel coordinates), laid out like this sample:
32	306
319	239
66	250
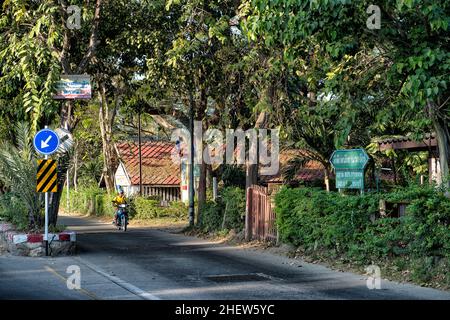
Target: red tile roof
313	170
157	165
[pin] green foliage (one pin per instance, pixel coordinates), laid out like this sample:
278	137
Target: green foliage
146	208
29	60
149	208
233	176
362	83
227	213
212	216
345	225
18	167
13	210
88	200
95	201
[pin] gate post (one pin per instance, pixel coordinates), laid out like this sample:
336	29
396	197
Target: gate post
248	217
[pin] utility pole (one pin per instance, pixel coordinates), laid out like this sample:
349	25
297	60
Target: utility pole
140	151
191	160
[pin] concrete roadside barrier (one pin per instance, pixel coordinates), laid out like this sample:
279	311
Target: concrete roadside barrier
32	245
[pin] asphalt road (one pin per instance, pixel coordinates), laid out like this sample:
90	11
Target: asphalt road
146	263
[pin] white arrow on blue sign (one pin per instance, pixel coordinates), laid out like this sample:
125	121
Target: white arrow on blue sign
46	142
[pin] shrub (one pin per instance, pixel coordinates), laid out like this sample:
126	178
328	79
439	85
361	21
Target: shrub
145	208
314	220
227	213
176	209
234	209
96	201
103	205
212	216
233	176
13	210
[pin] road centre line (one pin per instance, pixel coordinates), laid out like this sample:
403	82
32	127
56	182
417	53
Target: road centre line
64	280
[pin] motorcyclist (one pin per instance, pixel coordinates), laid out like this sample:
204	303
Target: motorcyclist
117	201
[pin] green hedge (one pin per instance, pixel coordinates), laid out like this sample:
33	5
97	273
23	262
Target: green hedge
95	201
145	208
337	225
227	213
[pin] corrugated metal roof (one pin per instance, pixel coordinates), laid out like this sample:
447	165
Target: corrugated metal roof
406	142
157	165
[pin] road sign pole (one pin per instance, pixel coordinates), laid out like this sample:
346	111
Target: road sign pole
46	142
46	221
68	192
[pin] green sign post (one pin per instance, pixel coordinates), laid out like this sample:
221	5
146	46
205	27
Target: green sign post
349	166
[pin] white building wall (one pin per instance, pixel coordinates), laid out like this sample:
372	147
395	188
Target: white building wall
121	179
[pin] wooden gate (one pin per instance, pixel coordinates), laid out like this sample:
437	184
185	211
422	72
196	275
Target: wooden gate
262	217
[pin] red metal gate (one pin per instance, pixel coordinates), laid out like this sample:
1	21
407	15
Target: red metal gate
262	216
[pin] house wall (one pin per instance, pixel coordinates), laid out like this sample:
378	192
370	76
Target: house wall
121	179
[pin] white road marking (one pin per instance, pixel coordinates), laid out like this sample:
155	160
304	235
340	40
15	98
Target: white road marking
63	279
121	283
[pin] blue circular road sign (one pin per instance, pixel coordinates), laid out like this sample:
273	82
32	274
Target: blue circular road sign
46	142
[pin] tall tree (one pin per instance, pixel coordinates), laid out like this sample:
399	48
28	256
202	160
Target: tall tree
403	65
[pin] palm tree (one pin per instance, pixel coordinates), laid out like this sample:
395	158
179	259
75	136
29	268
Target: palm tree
18	173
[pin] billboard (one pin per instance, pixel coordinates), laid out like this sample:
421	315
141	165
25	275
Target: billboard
72	87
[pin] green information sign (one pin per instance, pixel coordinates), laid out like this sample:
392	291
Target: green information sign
349	166
349	159
350	179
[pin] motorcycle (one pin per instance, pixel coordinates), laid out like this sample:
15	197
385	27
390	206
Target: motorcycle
122	217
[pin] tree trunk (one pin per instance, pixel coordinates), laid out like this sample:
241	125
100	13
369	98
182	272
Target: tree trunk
106	117
327	178
67	122
209	176
55	198
443	140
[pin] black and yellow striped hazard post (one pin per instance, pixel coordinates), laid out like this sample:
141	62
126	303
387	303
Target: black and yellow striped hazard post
47	181
47	176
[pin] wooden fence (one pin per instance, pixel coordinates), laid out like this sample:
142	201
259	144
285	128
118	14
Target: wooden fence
166	194
262	224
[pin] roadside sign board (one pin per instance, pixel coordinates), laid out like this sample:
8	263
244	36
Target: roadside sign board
350	179
46	142
349	159
47	176
349	166
72	87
